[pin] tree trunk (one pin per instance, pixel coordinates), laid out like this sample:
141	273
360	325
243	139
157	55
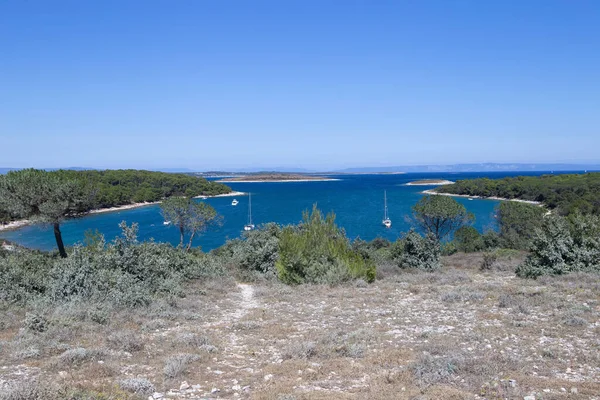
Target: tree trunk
59	241
181	232
190	242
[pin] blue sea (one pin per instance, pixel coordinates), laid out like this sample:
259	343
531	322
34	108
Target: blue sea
356	200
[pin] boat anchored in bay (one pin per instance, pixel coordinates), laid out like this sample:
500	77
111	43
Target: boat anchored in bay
249	226
387	222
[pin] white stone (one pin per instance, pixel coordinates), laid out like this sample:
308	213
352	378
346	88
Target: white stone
268	377
574	390
215	390
529	398
184	385
157	395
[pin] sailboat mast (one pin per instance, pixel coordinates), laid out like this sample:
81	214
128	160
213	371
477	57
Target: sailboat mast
385	216
249	208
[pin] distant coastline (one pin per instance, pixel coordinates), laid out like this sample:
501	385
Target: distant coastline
258	178
431	191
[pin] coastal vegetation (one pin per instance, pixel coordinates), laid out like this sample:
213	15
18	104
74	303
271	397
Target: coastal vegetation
189	216
440	216
120	187
44	197
129	319
52	196
562	193
318	251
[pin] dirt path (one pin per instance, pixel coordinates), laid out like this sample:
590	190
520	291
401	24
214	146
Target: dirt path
247	302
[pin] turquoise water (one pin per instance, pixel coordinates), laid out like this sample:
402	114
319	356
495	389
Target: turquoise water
357	201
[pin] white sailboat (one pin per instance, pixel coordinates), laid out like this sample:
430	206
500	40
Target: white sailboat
387	222
234	202
249	226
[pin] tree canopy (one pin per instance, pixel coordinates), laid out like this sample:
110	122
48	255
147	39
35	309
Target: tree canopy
440	215
565	193
44	197
189	216
119	187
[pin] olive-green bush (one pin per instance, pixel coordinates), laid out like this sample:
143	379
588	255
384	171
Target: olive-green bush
420	252
318	251
563	245
124	272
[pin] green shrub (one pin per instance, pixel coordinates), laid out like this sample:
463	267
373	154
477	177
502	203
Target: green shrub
255	251
123	273
518	222
489	259
420	252
377	250
318	251
448	248
468	239
24	275
563	245
491	239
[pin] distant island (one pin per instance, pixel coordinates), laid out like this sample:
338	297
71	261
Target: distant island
275	177
429	182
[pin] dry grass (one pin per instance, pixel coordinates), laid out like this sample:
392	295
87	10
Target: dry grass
456	334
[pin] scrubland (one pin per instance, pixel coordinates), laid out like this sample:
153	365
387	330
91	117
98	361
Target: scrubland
457	333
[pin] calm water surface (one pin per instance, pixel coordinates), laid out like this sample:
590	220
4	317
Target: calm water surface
357	201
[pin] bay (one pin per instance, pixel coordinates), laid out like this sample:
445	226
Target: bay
357	201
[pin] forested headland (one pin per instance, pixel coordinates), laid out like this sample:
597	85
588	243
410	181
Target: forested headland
125	186
563	193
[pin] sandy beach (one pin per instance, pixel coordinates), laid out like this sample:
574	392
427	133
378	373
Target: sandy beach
430	191
14	225
438	183
230	194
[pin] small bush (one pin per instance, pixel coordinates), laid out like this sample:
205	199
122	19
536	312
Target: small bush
449	248
193	339
29	390
300	350
79	355
35	322
489	259
420	252
140	386
430	370
256	251
563	245
126	340
176	365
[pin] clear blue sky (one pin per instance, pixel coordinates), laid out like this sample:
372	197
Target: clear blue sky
217	84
